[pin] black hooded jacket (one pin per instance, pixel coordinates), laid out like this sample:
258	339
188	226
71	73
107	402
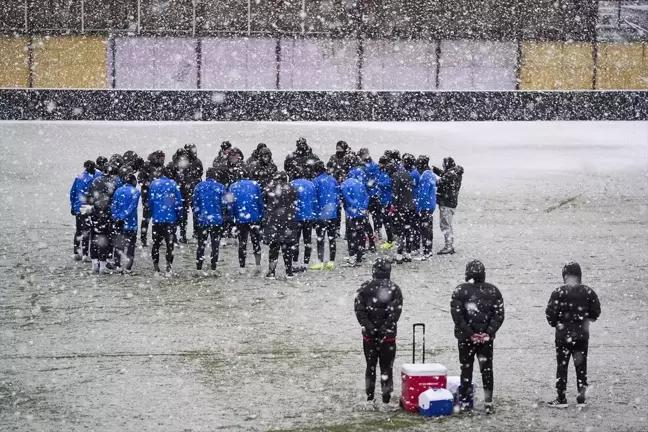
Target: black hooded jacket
378	306
448	185
403	191
263	169
570	310
280	223
147	174
476	308
99	196
302	158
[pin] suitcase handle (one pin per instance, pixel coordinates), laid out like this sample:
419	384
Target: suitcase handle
414	341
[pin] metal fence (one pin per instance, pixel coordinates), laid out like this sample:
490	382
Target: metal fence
436	19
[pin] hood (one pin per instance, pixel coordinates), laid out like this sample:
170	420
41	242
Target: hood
475	271
381	269
572	269
355	173
448	163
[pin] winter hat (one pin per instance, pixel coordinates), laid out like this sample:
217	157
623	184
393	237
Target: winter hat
572	269
448	163
211	173
422	163
382	269
281	176
475	271
131	180
409	161
89	166
319	167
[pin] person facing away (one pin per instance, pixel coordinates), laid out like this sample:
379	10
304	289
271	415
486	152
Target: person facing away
448	186
425	205
99	199
124	213
209	207
327	194
477	310
263	169
357	170
306	214
78	191
378	306
384	184
403	209
280	229
356	203
571	309
149	172
165	201
372	170
245	201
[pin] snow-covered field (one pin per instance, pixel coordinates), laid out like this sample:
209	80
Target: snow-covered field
79	352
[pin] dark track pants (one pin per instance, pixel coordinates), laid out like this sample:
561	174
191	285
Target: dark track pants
101	237
405	224
82	235
382	353
163	232
355	237
426	220
252	230
375	211
286	251
125	248
305	231
564	350
204	233
484	353
326	228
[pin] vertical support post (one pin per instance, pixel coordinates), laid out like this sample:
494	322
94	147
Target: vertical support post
437	76
139	16
303	17
619	14
82	16
198	63
194	20
360	54
593	20
278	63
518	63
30	60
249	17
113	64
26	16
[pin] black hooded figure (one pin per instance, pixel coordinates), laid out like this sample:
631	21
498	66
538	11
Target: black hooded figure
102	164
99	196
280	225
336	165
133	160
254	157
378	306
150	171
448	186
571	309
477	310
304	158
403	210
263	169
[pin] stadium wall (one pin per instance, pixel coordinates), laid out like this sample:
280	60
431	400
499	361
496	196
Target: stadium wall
174	63
206	105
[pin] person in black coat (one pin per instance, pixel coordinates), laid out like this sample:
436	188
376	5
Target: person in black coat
571	309
102	164
193	176
378	306
256	154
337	165
302	159
448	186
99	198
280	223
403	210
477	310
151	170
263	169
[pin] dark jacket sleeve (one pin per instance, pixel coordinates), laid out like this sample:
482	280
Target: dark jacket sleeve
394	308
498	314
437	171
552	311
397	190
361	313
457	312
594	306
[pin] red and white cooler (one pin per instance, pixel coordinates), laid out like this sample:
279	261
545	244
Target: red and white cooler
419	377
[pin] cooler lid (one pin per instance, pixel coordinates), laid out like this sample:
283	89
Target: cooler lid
434	395
424	369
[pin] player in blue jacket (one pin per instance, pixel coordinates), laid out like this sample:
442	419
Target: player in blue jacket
358	171
165	202
384	184
124	213
79	188
356	202
306	214
209	206
246	208
327	193
426	204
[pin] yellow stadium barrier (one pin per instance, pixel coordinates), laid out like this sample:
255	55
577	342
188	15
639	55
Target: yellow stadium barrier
556	66
14	62
622	66
70	62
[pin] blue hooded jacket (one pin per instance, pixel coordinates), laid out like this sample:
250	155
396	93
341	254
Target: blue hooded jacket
327	191
306	200
165	201
356	198
373	171
246	204
426	192
124	206
384	184
416	177
79	188
359	173
208	202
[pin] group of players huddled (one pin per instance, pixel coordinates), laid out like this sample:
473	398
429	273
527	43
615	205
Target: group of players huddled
253	199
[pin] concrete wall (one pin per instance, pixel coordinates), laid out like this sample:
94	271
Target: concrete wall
239	64
477	65
69	62
392	65
622	66
556	66
14	66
